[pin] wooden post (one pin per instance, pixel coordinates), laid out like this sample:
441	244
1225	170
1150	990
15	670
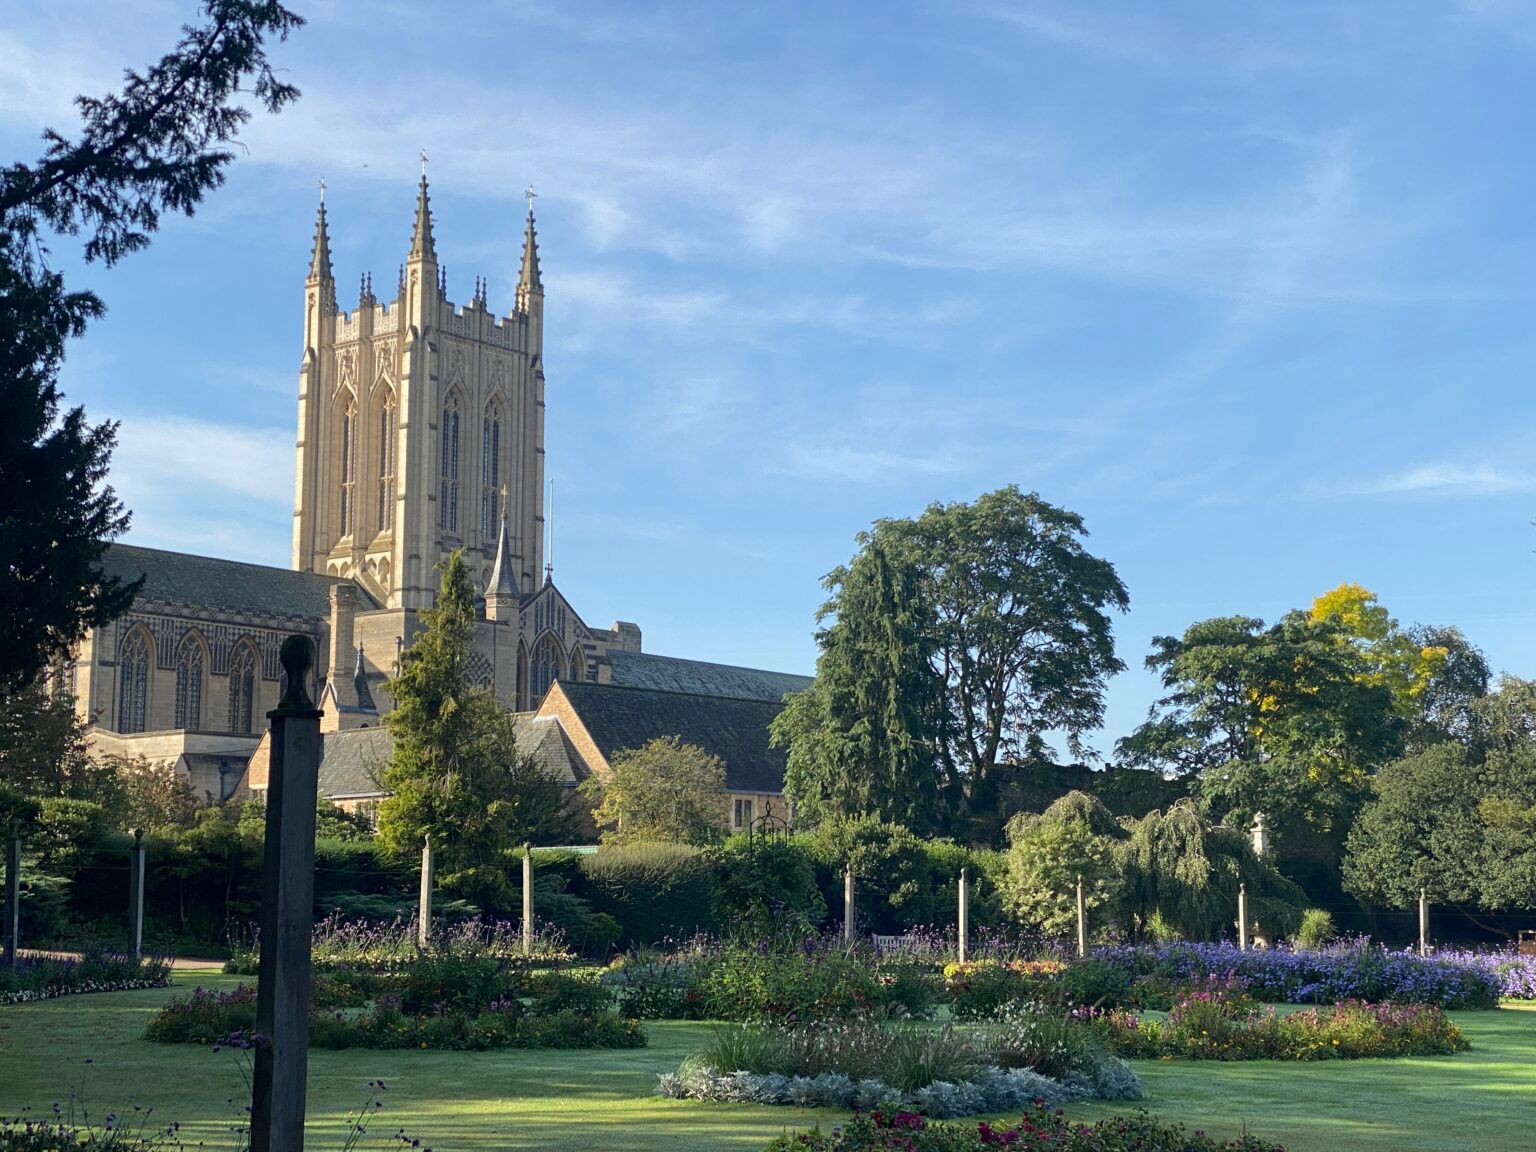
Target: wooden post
12	927
287	912
848	903
527	900
136	894
1423	922
1082	919
1242	917
964	916
424	901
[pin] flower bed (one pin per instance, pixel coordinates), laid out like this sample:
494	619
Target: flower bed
940	1071
1354	971
365	945
1223	1024
1515	973
820	978
96	971
1038	1131
441	1001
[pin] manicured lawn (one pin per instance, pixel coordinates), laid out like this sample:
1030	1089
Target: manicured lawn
1482	1099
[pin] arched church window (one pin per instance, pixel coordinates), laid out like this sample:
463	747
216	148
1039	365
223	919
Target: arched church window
133	683
242	688
448	502
348	464
387	445
490	470
578	668
189	684
546	665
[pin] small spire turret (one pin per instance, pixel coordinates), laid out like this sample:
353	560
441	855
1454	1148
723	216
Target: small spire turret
501	595
529	283
422	246
320	272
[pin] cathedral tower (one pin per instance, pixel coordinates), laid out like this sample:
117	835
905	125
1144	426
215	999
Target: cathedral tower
421	425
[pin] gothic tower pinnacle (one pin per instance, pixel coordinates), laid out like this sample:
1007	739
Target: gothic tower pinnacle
422	247
529	283
320	255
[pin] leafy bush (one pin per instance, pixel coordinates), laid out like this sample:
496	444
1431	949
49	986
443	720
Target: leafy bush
660	988
1095	983
652	891
977	989
765	888
816	980
1040	1129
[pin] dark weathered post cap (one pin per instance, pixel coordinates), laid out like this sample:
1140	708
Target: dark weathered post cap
297	656
138	837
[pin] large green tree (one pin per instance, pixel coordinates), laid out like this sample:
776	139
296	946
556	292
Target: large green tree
663	791
965	638
455	773
1458	819
160	144
863	740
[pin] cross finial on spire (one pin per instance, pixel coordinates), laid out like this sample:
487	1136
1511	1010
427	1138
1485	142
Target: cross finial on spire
322	190
423	163
531	194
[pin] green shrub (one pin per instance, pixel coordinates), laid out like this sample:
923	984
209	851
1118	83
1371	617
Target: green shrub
818	981
765	889
443	978
561	992
1096	983
665	988
652	891
1316	929
903	880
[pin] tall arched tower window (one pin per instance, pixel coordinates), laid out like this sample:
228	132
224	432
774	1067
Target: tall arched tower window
448	494
490	469
189	683
387	438
133	683
242	688
348	465
546	665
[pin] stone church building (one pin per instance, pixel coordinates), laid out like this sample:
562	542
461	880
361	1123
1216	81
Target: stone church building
420	431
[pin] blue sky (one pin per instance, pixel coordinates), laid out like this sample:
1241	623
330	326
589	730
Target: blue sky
1249	286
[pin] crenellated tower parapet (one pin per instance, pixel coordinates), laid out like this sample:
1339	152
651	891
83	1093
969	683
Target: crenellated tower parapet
421	421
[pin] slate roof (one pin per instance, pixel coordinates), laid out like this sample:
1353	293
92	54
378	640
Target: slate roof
349	759
671	674
223	585
736	730
545	740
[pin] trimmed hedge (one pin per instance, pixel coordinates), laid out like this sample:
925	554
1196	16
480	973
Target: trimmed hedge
653	891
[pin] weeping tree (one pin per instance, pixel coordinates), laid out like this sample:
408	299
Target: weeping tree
1182	871
1173	868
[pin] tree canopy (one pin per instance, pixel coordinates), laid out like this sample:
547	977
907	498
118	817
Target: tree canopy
665	791
158	145
960	641
455	773
864	739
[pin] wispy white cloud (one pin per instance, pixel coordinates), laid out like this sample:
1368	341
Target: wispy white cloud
158	454
1446	479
